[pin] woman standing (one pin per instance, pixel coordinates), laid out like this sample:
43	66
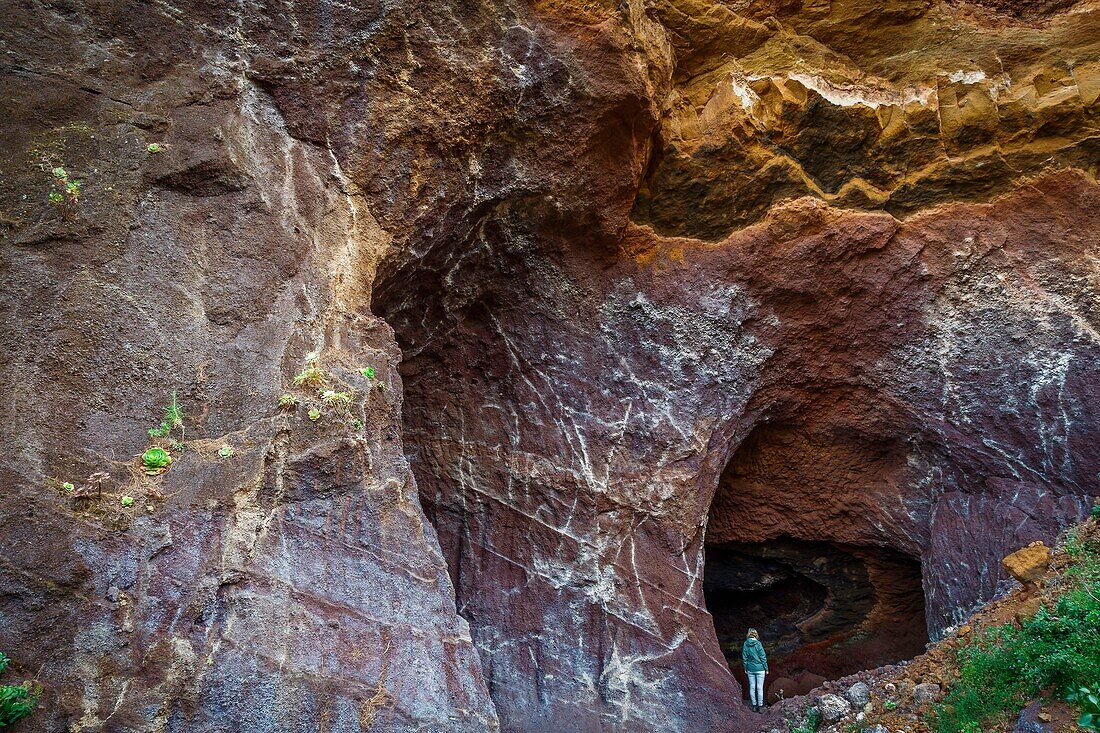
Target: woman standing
756	666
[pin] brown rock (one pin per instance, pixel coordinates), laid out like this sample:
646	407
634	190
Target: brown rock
1028	564
1027	608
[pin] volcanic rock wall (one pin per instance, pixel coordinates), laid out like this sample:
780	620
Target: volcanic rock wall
825	271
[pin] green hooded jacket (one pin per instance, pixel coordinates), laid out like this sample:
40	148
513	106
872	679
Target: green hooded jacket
753	656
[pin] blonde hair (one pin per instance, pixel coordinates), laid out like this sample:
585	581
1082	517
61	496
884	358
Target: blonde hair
753	634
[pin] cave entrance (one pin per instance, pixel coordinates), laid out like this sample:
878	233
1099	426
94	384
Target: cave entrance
824	610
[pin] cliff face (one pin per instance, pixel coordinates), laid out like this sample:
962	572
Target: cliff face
625	280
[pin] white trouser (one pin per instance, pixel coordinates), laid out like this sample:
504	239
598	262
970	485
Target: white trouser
756	687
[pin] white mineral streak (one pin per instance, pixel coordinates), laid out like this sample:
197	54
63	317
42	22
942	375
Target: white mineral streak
874	96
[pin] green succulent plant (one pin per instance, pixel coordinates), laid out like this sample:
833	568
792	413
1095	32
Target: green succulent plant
225	451
156	460
367	372
332	398
68	486
126	501
288	400
312	374
154	148
314	414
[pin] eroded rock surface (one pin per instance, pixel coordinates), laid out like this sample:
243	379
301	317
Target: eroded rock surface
662	274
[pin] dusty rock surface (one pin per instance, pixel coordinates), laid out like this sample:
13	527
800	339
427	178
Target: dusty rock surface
634	279
1029	563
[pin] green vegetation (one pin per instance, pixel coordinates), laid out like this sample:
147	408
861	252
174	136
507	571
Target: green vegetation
1007	666
154	148
312	375
367	372
1089	702
333	398
314	414
890	704
16	701
126	501
809	724
1096	511
173	418
67	486
287	401
225	451
65	193
156	460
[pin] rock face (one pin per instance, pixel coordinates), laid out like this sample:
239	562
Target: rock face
633	279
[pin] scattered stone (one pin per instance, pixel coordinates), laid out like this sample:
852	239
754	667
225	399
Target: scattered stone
112	593
926	692
1032	720
833	707
1027	609
1028	564
859	694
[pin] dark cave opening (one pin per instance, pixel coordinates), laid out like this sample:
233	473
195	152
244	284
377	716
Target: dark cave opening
824	610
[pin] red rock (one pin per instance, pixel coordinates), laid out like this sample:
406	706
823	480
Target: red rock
655	286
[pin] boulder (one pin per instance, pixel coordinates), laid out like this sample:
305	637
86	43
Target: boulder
1029	564
1027	608
833	707
925	693
859	694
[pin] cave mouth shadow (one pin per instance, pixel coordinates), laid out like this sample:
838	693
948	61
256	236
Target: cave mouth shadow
824	610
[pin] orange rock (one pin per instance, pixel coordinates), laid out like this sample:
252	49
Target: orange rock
1028	564
1027	609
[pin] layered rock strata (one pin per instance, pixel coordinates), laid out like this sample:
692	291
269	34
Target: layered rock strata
812	270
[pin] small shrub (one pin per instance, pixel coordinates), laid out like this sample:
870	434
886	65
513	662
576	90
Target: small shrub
16	701
312	375
156	460
173	418
154	148
288	401
65	193
1089	702
333	398
1095	511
